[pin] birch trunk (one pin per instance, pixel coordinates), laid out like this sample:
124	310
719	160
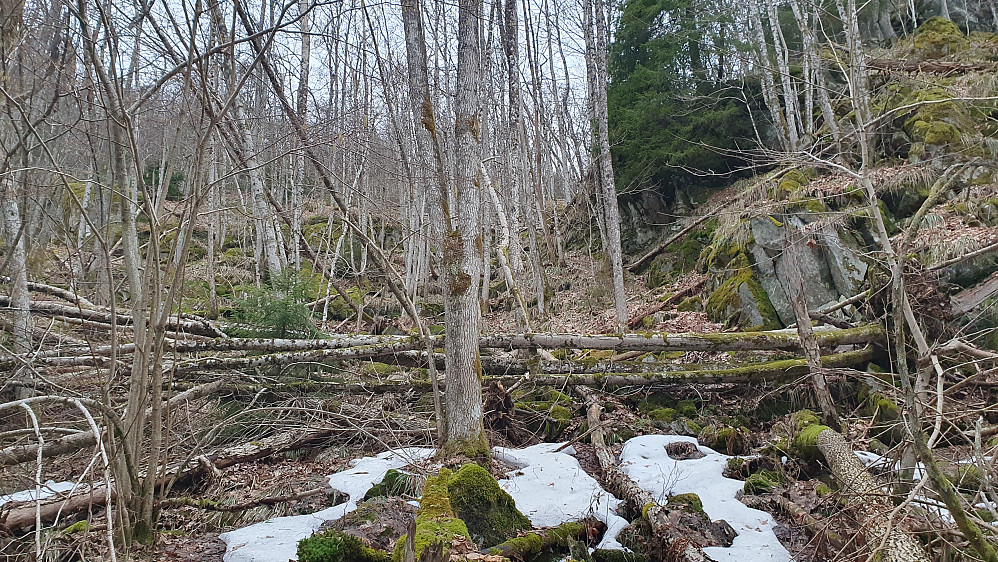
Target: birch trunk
20	300
605	165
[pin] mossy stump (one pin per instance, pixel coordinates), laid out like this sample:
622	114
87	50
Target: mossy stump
486	509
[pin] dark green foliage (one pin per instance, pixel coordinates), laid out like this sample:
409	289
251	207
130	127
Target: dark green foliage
278	310
671	110
487	510
151	177
335	546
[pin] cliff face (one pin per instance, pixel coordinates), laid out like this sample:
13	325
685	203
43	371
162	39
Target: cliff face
937	128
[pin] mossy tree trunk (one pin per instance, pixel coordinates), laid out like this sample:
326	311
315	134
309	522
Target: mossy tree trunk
884	533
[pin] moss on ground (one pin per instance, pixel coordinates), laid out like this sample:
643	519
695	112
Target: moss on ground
488	511
336	546
728	440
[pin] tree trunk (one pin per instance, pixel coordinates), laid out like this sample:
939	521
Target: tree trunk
605	163
805	330
462	251
20	300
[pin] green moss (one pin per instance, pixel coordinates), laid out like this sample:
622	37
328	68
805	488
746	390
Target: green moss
690	304
687	408
435	521
823	490
729	440
531	544
735	464
556	417
605	555
759	483
487	510
78	527
395	483
937	38
725	303
804	418
336	546
687	502
378	369
662	414
806	443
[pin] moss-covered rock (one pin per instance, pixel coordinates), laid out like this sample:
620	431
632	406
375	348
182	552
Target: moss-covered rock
488	511
936	38
728	440
688	502
740	299
759	483
435	521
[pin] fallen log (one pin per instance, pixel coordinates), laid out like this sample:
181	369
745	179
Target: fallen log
532	543
724	341
22	515
888	540
682	549
765	372
17	454
638	263
639	317
122	318
59	292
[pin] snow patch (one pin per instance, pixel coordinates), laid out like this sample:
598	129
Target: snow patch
276	540
551	488
48	490
645	460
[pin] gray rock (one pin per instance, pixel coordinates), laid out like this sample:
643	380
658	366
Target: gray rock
845	262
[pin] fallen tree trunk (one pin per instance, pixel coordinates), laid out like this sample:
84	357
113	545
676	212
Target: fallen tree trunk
22	515
123	318
891	538
725	341
64	294
17	454
638	319
768	372
366	346
639	500
535	542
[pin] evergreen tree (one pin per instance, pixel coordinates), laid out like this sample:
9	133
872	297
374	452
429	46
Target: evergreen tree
675	118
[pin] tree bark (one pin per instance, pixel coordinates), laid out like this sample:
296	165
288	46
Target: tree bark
462	251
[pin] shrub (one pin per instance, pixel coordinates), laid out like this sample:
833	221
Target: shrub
278	310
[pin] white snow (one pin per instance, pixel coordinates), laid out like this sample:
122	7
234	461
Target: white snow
276	540
551	488
48	489
645	460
